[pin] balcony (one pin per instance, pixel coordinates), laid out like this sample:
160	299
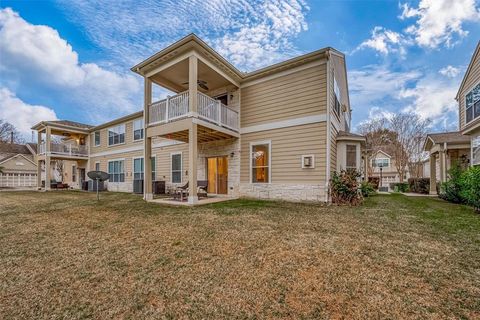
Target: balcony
209	109
65	149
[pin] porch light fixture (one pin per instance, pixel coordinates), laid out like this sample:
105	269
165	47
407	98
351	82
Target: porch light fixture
232	154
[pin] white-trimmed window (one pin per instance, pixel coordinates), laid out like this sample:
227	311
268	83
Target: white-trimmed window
74	173
97	166
260	159
351	157
116	170
380	162
154	167
337	95
176	167
138	129
96	138
116	135
472	104
476	150
137	168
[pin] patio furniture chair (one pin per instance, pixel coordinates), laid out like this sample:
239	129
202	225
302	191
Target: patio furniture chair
180	192
202	187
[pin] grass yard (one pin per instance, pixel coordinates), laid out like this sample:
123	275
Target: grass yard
64	256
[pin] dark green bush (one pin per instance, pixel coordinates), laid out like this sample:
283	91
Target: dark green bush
451	190
345	187
470	187
399	186
419	185
366	188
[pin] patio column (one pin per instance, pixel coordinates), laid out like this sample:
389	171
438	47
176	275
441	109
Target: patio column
39	173
47	158
192	83
433	174
39	163
147	142
192	164
443	163
147	170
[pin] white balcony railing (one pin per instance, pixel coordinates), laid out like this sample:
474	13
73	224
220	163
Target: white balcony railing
209	109
69	149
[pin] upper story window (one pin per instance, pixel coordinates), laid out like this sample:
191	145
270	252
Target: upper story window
96	137
472	104
336	90
351	162
138	129
260	162
116	135
381	162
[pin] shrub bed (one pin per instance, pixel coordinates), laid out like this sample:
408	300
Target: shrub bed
463	186
419	185
345	188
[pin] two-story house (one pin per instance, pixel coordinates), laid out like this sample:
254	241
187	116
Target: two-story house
274	133
383	166
468	98
459	147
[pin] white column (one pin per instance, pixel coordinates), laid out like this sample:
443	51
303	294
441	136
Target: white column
192	164
147	143
433	174
192	83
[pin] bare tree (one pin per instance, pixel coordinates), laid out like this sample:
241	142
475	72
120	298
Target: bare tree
7	130
410	131
376	134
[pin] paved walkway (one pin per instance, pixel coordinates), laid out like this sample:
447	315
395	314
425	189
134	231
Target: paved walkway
411	194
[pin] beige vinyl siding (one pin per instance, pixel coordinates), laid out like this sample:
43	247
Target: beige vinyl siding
162	161
333	149
472	79
12	165
288	145
104	139
295	95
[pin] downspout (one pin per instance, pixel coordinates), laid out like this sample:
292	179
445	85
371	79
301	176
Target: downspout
329	123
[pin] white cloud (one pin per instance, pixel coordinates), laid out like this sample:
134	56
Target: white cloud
385	41
432	98
250	34
440	21
35	54
449	71
371	85
22	115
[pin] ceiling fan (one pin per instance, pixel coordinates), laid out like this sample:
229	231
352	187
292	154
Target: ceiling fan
201	83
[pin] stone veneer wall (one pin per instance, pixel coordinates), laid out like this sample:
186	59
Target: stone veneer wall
280	191
221	148
120	186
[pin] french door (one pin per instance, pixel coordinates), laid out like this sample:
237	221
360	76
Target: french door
217	175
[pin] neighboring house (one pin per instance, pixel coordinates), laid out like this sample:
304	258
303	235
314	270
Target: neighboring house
388	171
445	149
274	133
18	165
463	146
468	98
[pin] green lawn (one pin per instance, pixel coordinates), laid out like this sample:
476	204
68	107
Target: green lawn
64	256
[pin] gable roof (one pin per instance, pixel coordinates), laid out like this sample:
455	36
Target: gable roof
381	151
10	157
470	65
452	137
64	123
193	39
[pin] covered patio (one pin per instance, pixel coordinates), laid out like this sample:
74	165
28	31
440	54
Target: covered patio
445	151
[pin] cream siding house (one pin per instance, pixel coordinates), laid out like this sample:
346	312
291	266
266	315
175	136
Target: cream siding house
275	133
468	98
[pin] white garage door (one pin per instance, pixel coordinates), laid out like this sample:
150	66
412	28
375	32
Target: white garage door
14	180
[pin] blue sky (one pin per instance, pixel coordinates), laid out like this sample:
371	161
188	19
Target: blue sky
71	59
